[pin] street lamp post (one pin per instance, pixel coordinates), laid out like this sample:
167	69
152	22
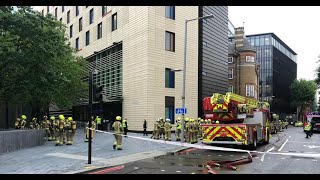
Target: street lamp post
183	97
271	100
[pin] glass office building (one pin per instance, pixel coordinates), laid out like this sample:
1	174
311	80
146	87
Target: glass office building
278	69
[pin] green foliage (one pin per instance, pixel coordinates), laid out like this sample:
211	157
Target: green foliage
302	91
37	65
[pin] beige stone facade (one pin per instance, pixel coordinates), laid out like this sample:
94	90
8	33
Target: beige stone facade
141	29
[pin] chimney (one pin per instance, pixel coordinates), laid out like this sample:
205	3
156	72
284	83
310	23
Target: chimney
239	37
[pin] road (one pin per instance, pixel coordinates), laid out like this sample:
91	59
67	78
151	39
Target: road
194	161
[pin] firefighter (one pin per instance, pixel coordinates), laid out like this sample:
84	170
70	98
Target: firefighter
17	123
155	133
187	130
34	124
23	122
167	128
98	119
71	129
209	121
52	129
118	130
93	128
178	129
161	129
206	121
307	130
61	131
125	127
201	128
192	131
196	129
45	124
217	122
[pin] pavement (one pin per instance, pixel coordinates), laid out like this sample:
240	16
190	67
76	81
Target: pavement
51	159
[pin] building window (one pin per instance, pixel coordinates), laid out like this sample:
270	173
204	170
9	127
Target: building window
56	13
249	90
114	21
230	59
80	24
170	12
68	17
230	89
77	44
42	12
91	16
169	108
47	9
99	30
249	58
87	38
230	73
62	9
169	78
71	28
60	19
77	10
104	10
170	41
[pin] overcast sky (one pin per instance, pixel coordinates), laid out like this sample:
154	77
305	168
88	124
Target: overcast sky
297	26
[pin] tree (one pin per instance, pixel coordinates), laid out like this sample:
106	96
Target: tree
37	64
303	95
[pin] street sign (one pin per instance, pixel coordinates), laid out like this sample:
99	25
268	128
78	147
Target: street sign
181	110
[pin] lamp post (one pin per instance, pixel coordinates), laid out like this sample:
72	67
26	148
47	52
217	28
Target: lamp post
271	100
183	97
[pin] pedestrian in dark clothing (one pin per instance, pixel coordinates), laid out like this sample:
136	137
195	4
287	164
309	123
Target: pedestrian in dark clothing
145	128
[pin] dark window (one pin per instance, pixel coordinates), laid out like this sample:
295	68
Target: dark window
114	21
68	17
47	9
104	10
71	27
170	12
87	38
60	19
62	9
99	30
77	44
169	78
77	10
42	12
170	41
169	108
56	13
91	16
80	24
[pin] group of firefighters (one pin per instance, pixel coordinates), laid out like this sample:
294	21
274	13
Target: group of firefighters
192	129
60	130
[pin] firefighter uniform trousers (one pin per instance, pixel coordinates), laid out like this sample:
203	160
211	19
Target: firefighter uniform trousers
161	130
52	131
178	131
118	130
167	128
62	132
45	125
56	131
155	133
70	132
74	128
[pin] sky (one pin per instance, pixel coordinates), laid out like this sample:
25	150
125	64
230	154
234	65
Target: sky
297	26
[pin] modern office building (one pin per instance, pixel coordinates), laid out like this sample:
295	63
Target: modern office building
136	50
243	69
278	69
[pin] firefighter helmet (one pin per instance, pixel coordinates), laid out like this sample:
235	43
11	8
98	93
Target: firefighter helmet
118	118
199	118
168	119
70	119
217	122
52	117
186	119
179	118
61	116
24	117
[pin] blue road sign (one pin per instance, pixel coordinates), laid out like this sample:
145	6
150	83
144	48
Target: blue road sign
181	110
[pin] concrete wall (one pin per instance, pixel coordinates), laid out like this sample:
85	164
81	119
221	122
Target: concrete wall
20	139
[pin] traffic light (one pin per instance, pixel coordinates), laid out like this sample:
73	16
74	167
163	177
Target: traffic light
97	93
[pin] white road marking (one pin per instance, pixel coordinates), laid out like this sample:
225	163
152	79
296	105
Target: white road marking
289	136
262	158
135	168
178	171
219	155
231	154
209	155
297	159
193	173
311	146
304	142
283	158
163	170
314	160
283	145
